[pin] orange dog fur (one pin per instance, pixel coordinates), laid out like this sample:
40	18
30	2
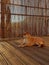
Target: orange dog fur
31	40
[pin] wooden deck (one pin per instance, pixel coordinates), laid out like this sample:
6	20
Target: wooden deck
10	54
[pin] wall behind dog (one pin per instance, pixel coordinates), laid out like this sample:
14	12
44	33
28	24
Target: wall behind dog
25	16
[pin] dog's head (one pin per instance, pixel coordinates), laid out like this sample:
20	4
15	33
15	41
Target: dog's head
26	35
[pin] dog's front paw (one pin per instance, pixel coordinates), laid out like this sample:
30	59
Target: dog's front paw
20	45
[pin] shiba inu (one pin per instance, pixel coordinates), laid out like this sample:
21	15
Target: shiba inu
29	40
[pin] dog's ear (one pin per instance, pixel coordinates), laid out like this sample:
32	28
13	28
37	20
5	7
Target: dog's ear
25	33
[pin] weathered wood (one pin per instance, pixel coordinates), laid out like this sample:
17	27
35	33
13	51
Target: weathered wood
10	54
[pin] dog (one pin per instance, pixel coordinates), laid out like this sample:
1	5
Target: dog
29	40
